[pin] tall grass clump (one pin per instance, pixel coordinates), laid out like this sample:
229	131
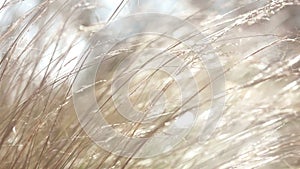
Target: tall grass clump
45	43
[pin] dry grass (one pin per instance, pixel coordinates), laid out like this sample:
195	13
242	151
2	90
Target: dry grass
257	43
